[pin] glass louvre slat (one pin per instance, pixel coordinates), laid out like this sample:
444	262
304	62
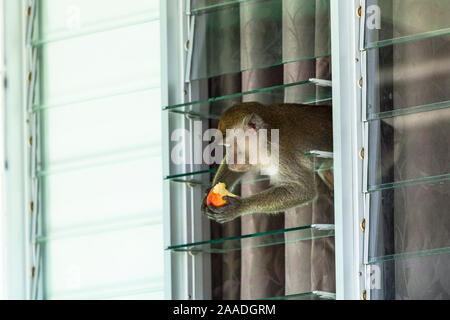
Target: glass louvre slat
139	292
408	72
104	65
106	261
410	110
425	19
212	108
188	174
204	177
102	28
101	194
406	210
237	95
323	161
93	98
421	277
314	295
256	240
410	182
109	225
218	30
121	156
410	255
95	129
154	291
415	37
397	213
65	19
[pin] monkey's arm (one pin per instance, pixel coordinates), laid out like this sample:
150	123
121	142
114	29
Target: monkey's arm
272	200
225	175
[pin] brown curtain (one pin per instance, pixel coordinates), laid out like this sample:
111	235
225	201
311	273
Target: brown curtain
262	269
298	267
309	264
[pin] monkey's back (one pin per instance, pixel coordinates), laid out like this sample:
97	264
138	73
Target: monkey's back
303	127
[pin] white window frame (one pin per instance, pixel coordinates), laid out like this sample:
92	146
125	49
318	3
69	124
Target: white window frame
15	240
188	277
349	145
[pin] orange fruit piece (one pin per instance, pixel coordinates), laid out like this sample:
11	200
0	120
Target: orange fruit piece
215	195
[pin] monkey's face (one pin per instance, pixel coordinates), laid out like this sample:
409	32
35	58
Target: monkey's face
241	149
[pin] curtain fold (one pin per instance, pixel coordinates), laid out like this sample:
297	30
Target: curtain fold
309	264
262	268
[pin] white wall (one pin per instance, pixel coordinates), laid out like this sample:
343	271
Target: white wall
2	161
12	244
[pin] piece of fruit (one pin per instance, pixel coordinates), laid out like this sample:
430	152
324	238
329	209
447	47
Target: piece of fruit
215	195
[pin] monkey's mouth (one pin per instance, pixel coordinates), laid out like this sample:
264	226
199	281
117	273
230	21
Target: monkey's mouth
239	167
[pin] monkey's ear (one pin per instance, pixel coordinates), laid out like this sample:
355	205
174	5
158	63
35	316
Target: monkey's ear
253	121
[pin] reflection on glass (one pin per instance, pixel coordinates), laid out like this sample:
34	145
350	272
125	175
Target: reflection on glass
399	218
98	265
417	278
219	34
98	67
408	78
65	19
410	149
101	194
387	23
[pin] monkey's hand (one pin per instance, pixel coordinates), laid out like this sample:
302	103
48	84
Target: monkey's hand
230	211
205	197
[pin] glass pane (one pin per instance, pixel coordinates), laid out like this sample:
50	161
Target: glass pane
256	240
218	33
90	266
60	19
100	65
394	21
104	127
408	169
407	78
105	194
409	221
409	149
418	278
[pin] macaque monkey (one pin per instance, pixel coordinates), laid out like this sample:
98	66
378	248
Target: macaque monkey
301	128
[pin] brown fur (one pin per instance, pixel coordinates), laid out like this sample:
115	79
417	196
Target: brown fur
302	128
